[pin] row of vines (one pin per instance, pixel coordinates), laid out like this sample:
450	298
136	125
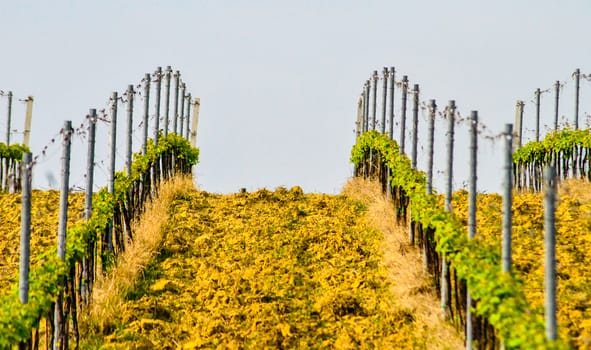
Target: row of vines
573	250
502	310
70	283
569	151
10	174
263	270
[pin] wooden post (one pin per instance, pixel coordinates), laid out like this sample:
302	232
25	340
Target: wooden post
196	105
518	124
28	117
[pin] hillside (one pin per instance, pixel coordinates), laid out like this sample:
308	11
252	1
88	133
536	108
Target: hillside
278	269
573	250
295	270
44	222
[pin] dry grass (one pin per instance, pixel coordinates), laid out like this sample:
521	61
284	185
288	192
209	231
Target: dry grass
110	291
576	188
410	285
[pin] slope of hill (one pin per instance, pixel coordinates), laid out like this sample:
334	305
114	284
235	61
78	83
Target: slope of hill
410	285
573	250
266	269
44	222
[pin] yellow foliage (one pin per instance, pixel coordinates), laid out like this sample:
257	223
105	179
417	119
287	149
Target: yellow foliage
573	250
263	270
44	222
110	290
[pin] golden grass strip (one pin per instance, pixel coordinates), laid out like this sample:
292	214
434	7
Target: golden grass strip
412	287
110	290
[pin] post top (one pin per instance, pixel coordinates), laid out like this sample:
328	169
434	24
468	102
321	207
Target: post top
405	78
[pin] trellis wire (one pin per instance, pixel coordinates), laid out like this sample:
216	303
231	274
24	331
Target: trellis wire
82	275
476	327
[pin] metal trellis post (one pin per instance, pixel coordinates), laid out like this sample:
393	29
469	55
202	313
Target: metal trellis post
182	116
550	253
577	88
384	97
177	78
403	113
374	99
158	75
367	89
90	164
430	149
63	220
188	117
111	173
88	194
9	118
415	125
507	198
430	145
146	112
391	75
538	93
25	251
363	118
472	191
414	141
448	193
557	99
130	96
167	99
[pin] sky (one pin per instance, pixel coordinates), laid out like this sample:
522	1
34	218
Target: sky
279	80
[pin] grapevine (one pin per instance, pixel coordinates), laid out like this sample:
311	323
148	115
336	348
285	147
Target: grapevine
51	275
500	296
264	270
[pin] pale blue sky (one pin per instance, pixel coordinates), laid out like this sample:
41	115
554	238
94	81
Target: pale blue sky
279	80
